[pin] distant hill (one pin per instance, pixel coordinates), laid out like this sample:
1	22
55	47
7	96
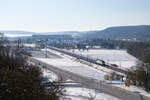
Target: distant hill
141	32
17	32
121	32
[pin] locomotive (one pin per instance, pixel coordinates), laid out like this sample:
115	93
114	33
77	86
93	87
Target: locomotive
100	62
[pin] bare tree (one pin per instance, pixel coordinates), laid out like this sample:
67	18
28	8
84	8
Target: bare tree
92	97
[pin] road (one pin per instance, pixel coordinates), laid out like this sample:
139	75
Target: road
93	84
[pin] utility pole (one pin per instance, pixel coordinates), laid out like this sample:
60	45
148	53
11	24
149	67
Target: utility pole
120	64
147	65
73	45
46	48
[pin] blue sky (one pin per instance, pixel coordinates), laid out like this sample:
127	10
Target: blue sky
72	15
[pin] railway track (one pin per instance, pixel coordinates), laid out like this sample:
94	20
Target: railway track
89	60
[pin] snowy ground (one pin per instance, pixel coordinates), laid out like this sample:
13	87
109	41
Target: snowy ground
119	57
75	67
78	93
49	75
86	94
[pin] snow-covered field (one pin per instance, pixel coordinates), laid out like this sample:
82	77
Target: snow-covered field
29	45
17	35
119	57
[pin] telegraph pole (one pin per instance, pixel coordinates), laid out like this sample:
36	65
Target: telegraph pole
46	49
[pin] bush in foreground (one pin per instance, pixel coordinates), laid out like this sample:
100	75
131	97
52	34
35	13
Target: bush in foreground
20	81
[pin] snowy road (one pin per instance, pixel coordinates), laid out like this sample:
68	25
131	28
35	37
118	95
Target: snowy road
94	84
81	70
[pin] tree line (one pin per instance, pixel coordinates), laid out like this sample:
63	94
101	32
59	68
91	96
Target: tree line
140	75
140	50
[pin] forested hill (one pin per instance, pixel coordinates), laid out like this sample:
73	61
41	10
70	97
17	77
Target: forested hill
122	32
141	32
